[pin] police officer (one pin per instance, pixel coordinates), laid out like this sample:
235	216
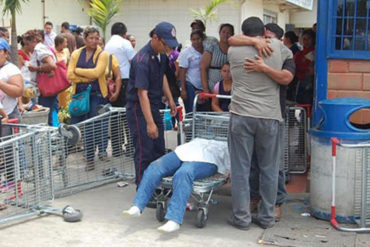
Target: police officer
146	86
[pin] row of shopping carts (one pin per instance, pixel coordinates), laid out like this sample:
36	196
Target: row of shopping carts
27	187
46	162
39	163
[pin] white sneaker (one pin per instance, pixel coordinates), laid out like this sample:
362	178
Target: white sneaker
170	226
133	212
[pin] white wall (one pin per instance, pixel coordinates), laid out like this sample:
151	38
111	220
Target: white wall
252	8
56	11
304	19
256	7
141	16
283	17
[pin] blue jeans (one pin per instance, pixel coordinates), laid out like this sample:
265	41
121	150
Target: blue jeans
96	132
52	103
188	103
190	90
184	173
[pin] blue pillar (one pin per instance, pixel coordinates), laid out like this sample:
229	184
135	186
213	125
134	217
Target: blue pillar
321	66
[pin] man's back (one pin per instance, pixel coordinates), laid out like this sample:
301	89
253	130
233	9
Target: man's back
255	94
123	51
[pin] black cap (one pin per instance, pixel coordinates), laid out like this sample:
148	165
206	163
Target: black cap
199	23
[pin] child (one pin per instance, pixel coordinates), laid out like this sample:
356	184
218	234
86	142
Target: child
222	87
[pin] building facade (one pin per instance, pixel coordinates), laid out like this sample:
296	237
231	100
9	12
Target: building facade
140	16
343	54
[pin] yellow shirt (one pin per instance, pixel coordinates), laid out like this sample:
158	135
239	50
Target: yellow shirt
78	75
63	55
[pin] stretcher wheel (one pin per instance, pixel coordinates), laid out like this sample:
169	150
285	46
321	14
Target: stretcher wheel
71	132
160	212
71	215
201	218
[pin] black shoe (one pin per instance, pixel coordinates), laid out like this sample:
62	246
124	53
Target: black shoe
256	221
240	227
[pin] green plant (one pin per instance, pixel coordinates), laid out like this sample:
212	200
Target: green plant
209	13
103	11
12	7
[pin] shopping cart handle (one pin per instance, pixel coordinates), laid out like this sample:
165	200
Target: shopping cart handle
179	111
334	142
13	121
308	107
207	95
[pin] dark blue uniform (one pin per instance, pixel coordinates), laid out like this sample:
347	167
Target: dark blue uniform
146	72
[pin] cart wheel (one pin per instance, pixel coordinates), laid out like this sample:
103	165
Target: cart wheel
71	215
160	212
71	132
201	218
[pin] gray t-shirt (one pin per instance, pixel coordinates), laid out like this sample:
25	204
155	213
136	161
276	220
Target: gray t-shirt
255	94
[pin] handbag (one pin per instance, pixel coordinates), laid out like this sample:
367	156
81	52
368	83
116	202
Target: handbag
80	103
53	82
110	80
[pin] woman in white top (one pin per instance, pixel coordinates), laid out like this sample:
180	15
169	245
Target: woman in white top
199	158
189	62
11	87
11	82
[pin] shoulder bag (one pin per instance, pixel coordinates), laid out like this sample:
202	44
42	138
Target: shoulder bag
53	82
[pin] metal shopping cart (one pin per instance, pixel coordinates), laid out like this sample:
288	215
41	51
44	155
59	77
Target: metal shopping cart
361	204
207	125
27	186
296	139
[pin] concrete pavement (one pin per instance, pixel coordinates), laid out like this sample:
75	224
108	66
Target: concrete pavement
104	225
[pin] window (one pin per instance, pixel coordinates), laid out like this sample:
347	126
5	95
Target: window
351	36
269	16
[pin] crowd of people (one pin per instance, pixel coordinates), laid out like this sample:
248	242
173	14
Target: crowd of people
261	70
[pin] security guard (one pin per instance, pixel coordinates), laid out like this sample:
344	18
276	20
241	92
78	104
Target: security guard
146	86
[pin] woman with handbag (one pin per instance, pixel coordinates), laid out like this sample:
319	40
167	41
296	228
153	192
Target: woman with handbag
62	54
11	87
86	71
42	61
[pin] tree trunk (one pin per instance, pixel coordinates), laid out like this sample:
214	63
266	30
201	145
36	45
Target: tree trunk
14	46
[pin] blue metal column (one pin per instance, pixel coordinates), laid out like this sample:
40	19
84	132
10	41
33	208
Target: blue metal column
323	39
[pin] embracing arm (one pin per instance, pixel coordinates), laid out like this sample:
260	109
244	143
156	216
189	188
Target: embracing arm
283	76
261	44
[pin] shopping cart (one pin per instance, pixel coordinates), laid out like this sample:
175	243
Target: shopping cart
296	139
207	125
27	186
104	154
362	186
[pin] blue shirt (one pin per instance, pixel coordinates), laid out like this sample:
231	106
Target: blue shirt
146	72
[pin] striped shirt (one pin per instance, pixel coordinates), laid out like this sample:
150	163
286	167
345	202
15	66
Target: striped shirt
218	59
